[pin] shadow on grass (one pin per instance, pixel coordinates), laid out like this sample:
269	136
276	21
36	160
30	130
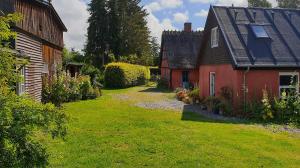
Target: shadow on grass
194	113
156	90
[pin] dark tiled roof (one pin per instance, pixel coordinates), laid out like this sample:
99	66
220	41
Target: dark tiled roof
282	49
182	48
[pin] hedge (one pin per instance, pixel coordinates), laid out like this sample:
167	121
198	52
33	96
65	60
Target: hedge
123	75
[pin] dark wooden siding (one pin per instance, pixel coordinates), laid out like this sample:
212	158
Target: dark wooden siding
6	6
33	49
39	21
217	55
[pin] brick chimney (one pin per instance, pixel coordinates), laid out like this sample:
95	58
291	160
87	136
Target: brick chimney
187	27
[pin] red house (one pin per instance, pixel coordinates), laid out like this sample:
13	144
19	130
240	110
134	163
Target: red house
248	50
179	55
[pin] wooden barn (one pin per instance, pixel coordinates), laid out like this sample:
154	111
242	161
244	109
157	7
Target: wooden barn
179	55
250	49
39	38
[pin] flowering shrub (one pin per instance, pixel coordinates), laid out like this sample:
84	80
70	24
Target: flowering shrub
280	110
267	112
63	88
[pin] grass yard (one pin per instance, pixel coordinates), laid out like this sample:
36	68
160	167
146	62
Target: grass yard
113	132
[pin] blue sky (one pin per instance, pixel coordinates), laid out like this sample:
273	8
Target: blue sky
163	15
195	12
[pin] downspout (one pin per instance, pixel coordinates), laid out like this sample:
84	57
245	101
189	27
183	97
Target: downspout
171	71
245	88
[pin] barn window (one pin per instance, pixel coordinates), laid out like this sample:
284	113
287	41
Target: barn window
259	31
288	82
21	84
214	37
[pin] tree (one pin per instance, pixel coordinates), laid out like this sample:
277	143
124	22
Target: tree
72	56
259	3
155	51
120	27
98	31
21	117
289	3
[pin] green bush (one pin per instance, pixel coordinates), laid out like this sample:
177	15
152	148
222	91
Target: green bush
21	117
74	93
90	70
195	93
284	110
85	86
123	75
162	83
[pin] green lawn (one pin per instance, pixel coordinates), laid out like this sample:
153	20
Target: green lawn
110	132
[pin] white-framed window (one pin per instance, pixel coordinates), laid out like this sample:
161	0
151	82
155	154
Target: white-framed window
288	82
214	37
212	84
21	84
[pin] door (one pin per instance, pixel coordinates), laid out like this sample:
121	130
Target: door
212	83
185	79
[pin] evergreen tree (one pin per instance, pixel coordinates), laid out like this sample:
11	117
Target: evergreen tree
259	3
155	51
289	3
97	32
121	25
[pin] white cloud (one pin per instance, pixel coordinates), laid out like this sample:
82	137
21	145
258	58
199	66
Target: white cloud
200	28
171	3
202	13
229	2
156	26
180	17
154	6
163	4
74	15
202	1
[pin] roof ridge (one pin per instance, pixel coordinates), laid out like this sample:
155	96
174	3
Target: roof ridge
265	8
177	32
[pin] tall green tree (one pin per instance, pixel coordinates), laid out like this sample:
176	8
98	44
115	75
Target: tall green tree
98	30
259	3
155	47
123	29
289	3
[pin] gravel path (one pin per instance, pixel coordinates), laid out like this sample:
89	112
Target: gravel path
163	102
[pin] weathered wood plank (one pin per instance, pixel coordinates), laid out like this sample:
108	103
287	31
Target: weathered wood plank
33	49
39	21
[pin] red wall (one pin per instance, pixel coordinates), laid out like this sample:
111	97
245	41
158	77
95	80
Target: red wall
226	76
177	77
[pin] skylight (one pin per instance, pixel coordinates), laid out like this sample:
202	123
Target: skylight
259	31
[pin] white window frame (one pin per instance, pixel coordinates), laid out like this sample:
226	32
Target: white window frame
212	84
290	86
21	85
214	37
